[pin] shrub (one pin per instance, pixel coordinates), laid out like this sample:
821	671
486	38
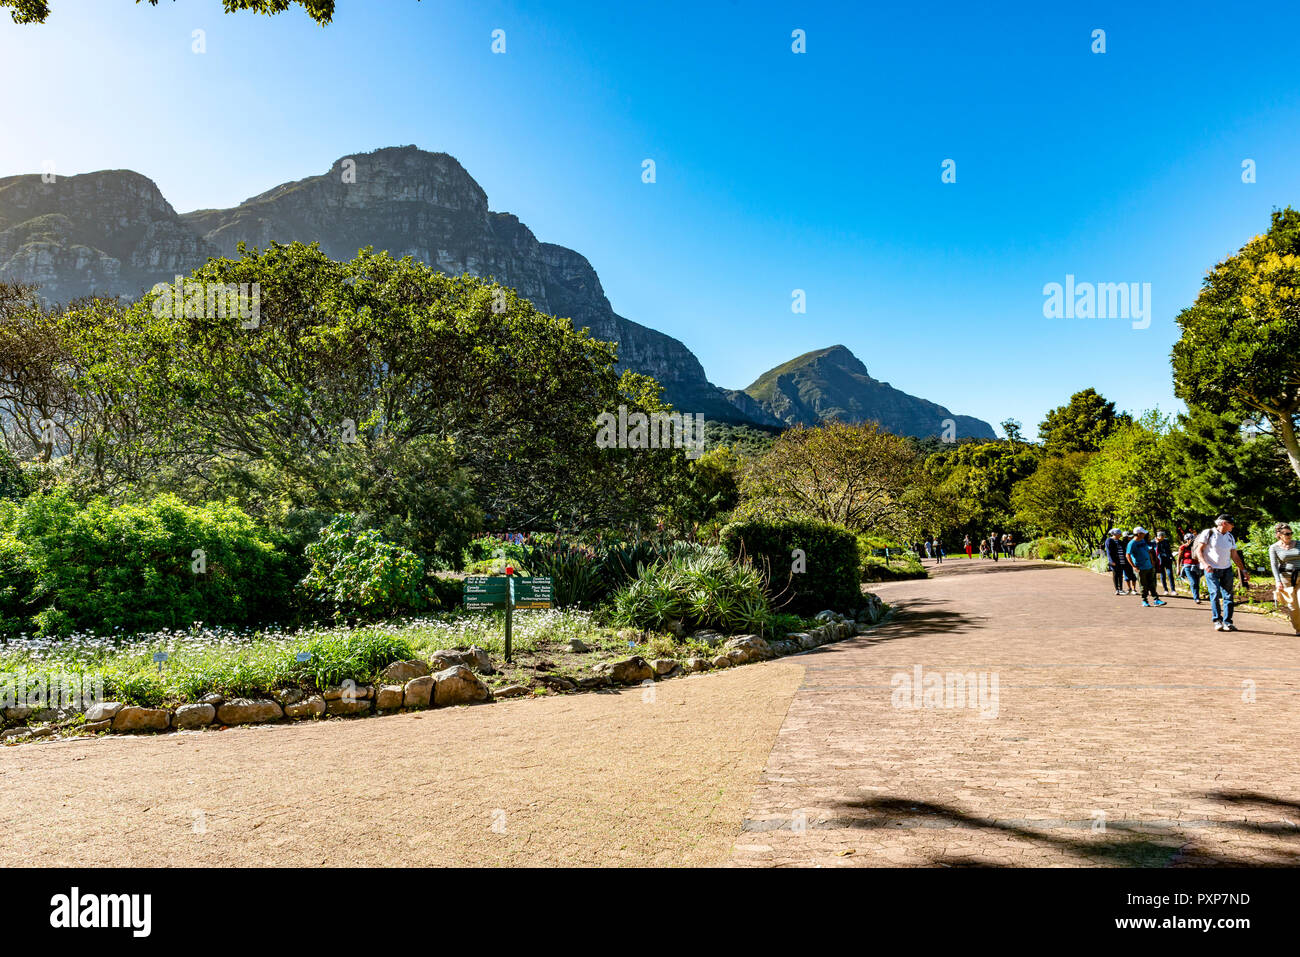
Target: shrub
101	566
354	572
17	581
486	548
875	569
832	572
447	592
703	590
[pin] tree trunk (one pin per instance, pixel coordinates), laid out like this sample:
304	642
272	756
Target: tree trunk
1286	432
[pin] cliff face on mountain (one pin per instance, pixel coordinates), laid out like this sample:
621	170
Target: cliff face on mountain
834	384
110	231
113	232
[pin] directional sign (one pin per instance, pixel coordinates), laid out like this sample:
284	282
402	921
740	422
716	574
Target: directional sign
533	592
485	591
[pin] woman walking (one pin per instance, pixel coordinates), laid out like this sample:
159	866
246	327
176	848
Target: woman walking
1284	557
1164	562
967	545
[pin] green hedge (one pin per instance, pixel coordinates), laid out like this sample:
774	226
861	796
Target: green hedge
99	566
831	575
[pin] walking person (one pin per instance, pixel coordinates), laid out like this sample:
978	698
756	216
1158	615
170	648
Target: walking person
1284	559
1164	562
1113	549
966	545
1130	576
938	550
993	546
1191	569
1008	546
1216	550
1139	554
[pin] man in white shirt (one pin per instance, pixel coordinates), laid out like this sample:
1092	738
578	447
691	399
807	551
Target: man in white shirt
1216	551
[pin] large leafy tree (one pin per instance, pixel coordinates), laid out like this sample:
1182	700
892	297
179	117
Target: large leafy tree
1240	345
377	386
322	11
1051	502
1080	425
855	476
974	483
1215	466
1127	479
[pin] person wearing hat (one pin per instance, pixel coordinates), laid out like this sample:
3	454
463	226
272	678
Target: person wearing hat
1191	570
1113	548
1216	551
1139	554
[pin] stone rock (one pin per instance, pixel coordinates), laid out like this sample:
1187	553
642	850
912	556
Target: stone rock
721	661
14	733
785	647
746	648
346	706
104	711
249	711
826	615
390	697
18	712
417	692
216	700
288	696
194	716
663	666
458	685
400	672
40	732
475	658
626	671
312	707
595	681
578	646
676	628
805	639
692	665
709	637
97	725
511	691
357	691
132	718
557	682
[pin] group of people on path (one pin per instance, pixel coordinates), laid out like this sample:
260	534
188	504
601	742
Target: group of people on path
1141	565
993	546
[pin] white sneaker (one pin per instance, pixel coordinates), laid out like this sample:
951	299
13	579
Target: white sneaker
1218	626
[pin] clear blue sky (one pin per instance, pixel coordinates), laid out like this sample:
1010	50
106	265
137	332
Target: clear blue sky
776	171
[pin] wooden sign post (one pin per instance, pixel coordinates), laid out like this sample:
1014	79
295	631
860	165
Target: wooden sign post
508	592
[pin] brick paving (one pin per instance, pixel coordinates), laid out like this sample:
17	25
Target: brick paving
1115	735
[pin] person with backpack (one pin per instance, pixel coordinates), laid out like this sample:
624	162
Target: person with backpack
1140	556
1164	556
1113	549
1216	551
1284	559
1191	569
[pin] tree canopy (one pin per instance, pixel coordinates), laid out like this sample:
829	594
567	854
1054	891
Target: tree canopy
1080	425
1240	345
322	11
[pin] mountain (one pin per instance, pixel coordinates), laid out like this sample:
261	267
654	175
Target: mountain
112	232
834	384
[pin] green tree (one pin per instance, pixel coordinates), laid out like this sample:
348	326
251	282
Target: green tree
1214	467
1051	502
1080	425
1240	346
855	476
974	483
1127	479
322	11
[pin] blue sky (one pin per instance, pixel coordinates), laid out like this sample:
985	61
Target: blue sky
775	171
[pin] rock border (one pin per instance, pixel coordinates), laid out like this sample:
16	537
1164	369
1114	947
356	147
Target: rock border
411	686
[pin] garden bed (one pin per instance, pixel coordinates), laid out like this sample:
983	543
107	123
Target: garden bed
216	677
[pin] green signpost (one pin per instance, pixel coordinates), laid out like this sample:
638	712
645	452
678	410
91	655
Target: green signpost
508	592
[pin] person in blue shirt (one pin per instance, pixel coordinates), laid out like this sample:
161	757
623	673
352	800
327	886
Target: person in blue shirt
1141	560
